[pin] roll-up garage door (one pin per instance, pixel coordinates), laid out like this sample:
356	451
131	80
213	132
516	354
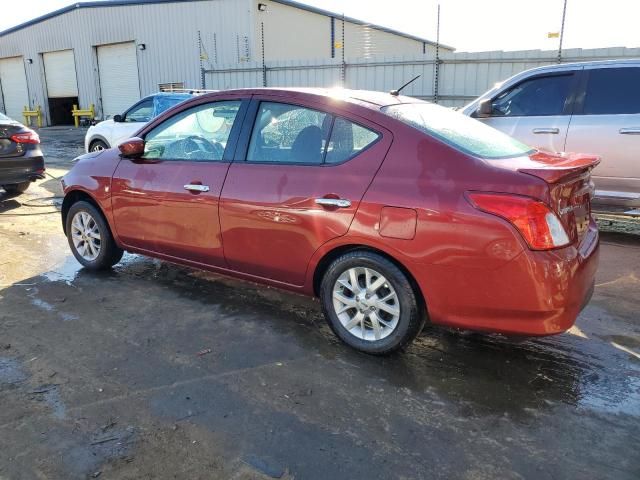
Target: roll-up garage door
60	73
13	85
118	77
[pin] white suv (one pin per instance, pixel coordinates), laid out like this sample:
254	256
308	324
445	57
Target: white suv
590	107
111	132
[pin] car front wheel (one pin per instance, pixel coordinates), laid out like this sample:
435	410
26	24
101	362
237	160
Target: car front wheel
89	237
98	146
370	303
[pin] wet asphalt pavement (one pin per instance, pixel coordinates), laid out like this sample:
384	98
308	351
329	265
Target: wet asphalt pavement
158	371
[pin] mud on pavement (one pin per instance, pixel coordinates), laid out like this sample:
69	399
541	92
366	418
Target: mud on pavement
159	371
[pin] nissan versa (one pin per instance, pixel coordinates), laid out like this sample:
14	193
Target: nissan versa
392	210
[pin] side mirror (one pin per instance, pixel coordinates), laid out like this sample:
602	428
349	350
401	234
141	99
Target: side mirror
118	118
132	148
485	108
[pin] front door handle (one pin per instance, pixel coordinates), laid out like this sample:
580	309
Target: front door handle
553	131
196	188
630	131
333	202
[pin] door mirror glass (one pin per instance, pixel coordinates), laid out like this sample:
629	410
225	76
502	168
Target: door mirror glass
117	118
485	107
132	148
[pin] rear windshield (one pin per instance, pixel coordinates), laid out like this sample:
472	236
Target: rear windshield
459	131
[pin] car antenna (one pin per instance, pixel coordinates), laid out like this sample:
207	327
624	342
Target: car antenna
395	93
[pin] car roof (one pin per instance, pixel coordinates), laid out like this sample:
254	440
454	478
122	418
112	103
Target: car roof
367	98
575	65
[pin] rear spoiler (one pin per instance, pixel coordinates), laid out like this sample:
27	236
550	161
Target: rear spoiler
554	167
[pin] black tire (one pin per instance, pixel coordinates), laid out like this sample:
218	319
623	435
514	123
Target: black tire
17	188
412	311
109	253
97	145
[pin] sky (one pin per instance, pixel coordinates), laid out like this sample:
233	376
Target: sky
467	25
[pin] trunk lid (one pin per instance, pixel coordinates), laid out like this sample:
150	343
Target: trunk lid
568	176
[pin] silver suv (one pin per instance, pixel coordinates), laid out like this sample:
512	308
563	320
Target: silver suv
590	107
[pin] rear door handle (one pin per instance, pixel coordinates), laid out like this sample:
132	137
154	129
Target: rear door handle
196	188
547	130
630	131
333	202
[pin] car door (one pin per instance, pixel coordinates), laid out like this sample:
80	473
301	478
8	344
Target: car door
537	110
131	121
167	201
607	123
296	183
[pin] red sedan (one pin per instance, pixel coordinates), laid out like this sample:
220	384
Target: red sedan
391	210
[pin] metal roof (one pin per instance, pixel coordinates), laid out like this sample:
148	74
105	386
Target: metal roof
115	3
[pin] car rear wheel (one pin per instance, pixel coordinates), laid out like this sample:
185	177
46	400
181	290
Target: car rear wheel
98	146
16	188
370	303
90	238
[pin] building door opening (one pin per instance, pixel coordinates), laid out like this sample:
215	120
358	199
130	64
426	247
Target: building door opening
60	110
62	87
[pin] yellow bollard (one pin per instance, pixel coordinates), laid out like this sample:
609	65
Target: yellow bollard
27	114
77	113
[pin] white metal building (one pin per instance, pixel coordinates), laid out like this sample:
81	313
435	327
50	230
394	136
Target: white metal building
112	52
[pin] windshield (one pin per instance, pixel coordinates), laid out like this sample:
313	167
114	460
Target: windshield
165	102
464	133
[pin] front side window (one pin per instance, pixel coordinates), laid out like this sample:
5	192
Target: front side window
535	97
140	113
464	133
286	133
199	133
612	91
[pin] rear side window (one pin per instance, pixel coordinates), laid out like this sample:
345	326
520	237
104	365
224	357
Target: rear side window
613	91
285	133
538	96
347	140
461	132
288	134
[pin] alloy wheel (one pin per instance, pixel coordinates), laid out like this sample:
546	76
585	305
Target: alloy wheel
86	237
366	303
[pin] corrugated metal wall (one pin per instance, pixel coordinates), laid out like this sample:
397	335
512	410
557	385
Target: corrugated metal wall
169	32
292	33
462	76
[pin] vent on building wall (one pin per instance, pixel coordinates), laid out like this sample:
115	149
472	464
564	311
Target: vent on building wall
170	87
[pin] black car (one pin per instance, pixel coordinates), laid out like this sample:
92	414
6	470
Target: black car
21	159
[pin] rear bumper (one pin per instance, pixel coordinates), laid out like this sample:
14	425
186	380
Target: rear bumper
21	169
537	293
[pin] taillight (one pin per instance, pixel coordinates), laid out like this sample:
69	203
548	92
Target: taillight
540	227
26	137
